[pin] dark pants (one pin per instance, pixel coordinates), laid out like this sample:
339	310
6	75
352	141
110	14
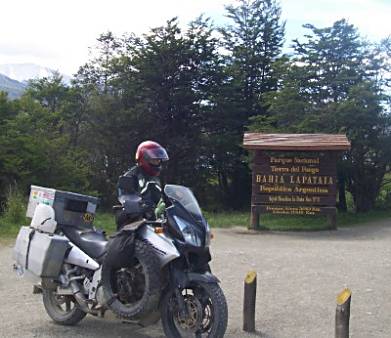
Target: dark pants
123	218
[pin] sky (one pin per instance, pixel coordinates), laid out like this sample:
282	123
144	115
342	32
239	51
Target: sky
58	33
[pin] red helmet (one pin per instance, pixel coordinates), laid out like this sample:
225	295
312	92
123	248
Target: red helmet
149	157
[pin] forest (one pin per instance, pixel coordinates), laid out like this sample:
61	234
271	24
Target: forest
196	89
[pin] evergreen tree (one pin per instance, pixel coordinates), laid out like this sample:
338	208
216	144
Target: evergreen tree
367	126
175	71
35	150
156	87
50	91
320	91
254	41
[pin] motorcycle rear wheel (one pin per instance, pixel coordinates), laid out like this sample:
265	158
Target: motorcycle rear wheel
62	309
204	300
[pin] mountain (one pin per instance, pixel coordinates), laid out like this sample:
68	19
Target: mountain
23	72
14	88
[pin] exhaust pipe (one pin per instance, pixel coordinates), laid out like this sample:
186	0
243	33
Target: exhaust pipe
79	296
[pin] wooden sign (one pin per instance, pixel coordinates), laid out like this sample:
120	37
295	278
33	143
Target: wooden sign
298	179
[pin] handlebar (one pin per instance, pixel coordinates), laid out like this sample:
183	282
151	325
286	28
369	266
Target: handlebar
161	222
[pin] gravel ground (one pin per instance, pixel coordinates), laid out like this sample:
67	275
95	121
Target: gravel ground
299	276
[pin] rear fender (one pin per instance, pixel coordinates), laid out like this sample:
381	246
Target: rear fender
79	258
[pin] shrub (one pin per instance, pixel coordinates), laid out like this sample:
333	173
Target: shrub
15	207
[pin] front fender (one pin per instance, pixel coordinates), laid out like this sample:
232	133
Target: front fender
205	277
182	279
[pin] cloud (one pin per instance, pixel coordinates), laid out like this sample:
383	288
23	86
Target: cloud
48	29
59	33
31	49
371	17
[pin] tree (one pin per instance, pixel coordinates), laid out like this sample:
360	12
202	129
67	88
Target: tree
362	117
320	92
254	41
34	150
50	92
155	87
175	71
334	61
251	44
7	111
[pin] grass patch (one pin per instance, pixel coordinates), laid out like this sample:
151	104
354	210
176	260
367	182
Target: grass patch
294	223
105	221
9	228
349	218
14	215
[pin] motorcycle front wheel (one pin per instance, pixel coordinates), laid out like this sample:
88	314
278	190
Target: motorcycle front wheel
61	309
206	313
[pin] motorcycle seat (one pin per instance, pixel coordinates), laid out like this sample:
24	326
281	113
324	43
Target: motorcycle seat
91	241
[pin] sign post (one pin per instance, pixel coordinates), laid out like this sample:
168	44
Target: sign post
294	174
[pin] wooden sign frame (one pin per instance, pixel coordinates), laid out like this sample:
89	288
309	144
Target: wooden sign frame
294	174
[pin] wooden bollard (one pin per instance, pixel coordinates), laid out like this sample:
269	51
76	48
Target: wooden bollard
342	314
250	294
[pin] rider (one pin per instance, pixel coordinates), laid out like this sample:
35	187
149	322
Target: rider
143	181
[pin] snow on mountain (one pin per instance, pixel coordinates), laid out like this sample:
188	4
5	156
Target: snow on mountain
14	88
23	72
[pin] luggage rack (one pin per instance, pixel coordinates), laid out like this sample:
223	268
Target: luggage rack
71	209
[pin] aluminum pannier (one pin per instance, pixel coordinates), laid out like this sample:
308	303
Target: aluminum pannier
40	253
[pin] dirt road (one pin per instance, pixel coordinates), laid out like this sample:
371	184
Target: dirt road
299	275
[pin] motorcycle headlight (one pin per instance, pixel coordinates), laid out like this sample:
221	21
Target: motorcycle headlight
189	233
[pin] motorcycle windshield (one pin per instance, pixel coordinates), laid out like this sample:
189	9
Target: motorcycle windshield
186	198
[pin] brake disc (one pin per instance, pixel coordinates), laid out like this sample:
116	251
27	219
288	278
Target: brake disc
193	321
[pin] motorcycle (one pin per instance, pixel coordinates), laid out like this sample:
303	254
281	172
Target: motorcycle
162	270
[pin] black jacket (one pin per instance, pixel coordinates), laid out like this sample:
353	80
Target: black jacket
133	184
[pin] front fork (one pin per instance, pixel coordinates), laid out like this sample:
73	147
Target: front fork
177	283
183	310
180	280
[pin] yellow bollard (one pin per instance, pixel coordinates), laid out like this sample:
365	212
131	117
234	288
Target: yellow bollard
249	300
342	314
